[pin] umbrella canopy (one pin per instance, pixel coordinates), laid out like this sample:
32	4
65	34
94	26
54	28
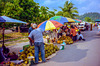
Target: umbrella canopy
97	20
49	25
4	19
7	19
61	19
76	21
70	19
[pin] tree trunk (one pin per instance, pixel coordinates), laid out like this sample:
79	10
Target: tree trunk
18	28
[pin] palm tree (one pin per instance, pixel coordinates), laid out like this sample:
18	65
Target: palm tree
68	11
45	14
52	13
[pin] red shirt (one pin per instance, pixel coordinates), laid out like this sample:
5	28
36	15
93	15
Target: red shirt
73	32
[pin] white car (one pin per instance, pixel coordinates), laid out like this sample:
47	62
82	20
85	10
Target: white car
81	27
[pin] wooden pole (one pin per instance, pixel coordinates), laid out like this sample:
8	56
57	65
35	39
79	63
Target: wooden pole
91	28
3	33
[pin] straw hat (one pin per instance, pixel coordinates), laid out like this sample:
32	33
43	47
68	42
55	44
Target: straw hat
33	25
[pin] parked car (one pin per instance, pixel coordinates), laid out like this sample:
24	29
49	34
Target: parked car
22	28
82	27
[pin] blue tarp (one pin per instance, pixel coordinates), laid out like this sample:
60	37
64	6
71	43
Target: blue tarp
7	19
2	20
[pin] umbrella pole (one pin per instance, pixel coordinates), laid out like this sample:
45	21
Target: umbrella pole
3	33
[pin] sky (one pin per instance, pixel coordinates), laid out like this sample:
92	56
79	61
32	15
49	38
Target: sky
84	6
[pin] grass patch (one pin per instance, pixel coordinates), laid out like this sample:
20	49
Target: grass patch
13	35
7	45
15	41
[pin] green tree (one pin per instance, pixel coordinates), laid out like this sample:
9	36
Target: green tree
2	5
52	13
88	19
30	10
25	10
12	9
44	13
68	10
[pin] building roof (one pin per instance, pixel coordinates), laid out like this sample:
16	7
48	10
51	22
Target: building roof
97	20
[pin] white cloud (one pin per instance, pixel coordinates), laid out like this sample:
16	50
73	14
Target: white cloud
68	0
82	5
49	2
80	1
55	2
92	6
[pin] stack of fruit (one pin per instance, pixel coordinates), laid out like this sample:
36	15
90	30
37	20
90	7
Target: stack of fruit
13	64
29	51
67	39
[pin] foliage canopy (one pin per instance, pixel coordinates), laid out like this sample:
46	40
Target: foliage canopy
30	11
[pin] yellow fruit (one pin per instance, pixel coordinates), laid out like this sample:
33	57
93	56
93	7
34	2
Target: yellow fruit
26	62
49	49
40	59
58	42
33	59
12	64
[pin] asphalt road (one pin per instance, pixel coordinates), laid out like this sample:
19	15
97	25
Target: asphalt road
82	53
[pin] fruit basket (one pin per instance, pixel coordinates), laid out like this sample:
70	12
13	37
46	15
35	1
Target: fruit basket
67	39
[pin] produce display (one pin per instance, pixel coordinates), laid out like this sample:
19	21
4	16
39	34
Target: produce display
13	64
67	39
29	51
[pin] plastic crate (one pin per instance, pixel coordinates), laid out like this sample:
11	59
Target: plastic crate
25	46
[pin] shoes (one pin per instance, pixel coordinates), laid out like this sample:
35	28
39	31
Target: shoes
44	61
83	39
35	63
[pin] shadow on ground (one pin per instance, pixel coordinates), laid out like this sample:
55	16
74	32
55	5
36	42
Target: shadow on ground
70	54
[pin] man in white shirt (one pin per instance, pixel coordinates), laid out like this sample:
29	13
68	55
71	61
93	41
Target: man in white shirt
38	43
80	36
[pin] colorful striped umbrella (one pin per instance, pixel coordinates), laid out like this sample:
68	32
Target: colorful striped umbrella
61	19
70	19
76	21
79	20
49	25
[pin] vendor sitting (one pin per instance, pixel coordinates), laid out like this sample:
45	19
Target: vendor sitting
80	36
2	57
5	55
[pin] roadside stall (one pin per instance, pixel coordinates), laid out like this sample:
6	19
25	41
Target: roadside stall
49	48
64	20
4	19
4	51
50	28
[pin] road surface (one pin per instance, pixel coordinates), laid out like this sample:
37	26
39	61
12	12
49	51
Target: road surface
82	53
